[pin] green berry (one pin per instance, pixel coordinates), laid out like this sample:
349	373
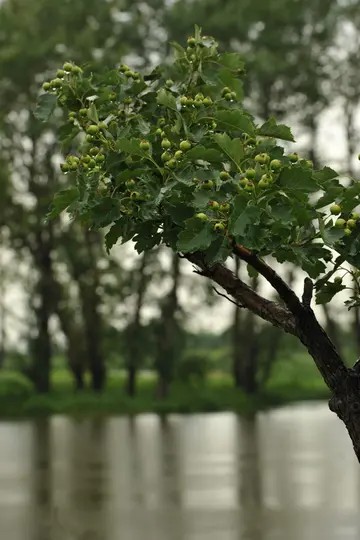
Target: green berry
103	125
94	151
130	183
68	66
249	186
275	164
208	184
171	163
201	216
85	158
335	209
228	96
340	223
219	227
355	216
165	156
135	195
46	86
60	73
250	173
225	207
144	145
233	95
83	112
191	41
347	231
262	158
93	129
263	183
338	279
65	167
158	131
183	100
185	145
169	82
207	101
244	182
56	83
178	154
165	144
214	205
100	158
293	157
351	223
225	90
224	175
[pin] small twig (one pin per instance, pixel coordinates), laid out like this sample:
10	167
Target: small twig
227	298
308	292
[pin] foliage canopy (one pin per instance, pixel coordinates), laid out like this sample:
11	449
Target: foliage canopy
173	157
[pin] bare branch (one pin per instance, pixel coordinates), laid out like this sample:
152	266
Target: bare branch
227	298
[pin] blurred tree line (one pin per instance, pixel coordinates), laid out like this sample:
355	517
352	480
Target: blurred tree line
302	60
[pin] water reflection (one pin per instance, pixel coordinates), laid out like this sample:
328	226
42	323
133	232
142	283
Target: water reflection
289	474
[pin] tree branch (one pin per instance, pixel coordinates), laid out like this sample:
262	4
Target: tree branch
270	311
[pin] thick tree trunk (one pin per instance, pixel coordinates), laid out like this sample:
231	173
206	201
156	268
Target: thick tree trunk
236	340
131	380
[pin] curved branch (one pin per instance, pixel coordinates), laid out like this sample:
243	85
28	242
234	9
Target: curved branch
270	311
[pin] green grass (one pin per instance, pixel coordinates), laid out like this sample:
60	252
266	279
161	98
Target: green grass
294	379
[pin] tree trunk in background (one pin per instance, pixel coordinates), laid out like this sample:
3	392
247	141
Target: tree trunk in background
356	326
332	328
236	336
168	342
2	309
41	361
133	332
81	249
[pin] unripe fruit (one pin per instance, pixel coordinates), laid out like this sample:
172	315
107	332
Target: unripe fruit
94	151
124	68
185	145
171	163
351	223
191	41
93	129
190	101
262	158
130	183
347	232
60	73
224	175
129	74
144	145
158	131
165	156
250	173
208	184
249	186
56	83
64	167
225	207
355	215
214	205
201	216
293	157
128	100
263	183
100	158
68	66
219	227
225	90
46	86
165	143
169	82
244	182
89	138
102	125
86	158
268	178
72	115
228	96
135	195
335	209
183	100
178	154
92	163
83	112
340	223
233	95
338	279
207	101
76	69
275	164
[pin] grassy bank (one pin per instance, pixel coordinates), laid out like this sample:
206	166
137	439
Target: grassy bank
293	380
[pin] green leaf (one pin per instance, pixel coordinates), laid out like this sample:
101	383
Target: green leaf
45	107
130	146
167	99
242	215
298	179
232	61
218	251
197	236
328	291
235	120
278	131
322	177
206	154
113	235
233	148
92	113
62	200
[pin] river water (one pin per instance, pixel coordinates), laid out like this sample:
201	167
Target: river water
288	475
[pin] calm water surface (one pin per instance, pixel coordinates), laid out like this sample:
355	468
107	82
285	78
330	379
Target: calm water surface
289	475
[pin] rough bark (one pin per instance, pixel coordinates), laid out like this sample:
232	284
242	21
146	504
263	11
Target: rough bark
297	318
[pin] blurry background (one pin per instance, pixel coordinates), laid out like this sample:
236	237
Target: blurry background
82	332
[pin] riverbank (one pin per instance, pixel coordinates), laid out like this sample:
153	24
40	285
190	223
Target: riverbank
216	394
